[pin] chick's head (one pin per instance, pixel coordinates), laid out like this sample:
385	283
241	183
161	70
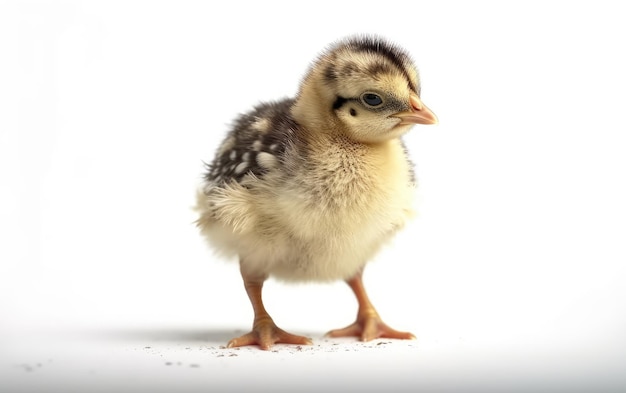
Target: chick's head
365	88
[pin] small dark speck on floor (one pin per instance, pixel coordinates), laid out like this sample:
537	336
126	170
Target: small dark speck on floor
194	365
29	368
233	354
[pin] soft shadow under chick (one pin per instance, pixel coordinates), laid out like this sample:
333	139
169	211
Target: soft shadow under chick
310	188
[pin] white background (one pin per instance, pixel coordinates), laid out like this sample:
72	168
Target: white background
515	267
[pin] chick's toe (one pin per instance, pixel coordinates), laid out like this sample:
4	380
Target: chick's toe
265	334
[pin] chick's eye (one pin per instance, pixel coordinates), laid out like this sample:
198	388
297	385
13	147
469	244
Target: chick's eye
372	99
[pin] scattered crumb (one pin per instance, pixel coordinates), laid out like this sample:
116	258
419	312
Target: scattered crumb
194	365
233	354
29	368
168	363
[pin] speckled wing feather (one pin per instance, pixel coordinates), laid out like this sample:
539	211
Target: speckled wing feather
255	144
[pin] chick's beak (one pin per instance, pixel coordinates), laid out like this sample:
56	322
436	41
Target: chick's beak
419	113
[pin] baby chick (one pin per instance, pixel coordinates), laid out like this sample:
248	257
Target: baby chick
310	188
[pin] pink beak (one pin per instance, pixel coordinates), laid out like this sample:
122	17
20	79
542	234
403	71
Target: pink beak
419	113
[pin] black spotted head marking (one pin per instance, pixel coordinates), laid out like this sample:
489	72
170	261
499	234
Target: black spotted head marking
395	55
368	57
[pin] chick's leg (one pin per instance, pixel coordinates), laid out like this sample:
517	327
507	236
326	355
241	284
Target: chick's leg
368	325
264	332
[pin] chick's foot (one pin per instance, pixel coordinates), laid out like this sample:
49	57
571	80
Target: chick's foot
265	334
368	328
